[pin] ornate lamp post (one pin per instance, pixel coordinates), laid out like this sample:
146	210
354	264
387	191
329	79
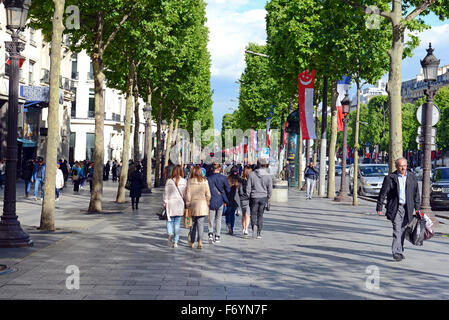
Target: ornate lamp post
163	128
343	195
430	68
11	234
148	147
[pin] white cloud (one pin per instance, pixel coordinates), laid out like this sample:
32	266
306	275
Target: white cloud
231	29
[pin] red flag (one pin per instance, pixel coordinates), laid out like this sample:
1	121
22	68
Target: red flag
21	61
306	85
340	118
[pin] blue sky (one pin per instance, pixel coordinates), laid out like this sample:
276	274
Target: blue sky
234	23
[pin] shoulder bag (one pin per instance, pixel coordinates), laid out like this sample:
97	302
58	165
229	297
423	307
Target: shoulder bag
187	215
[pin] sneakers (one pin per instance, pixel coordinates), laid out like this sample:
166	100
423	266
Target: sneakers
211	238
217	239
259	236
175	244
170	240
57	199
397	256
245	232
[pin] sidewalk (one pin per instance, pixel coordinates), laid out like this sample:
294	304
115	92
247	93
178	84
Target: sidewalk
311	249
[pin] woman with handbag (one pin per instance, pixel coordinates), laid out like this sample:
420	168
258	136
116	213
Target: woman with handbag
244	199
174	195
135	186
77	175
234	181
197	201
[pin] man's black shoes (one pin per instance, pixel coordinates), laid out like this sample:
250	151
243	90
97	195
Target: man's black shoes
398	256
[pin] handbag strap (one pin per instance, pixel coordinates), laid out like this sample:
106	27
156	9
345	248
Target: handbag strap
178	191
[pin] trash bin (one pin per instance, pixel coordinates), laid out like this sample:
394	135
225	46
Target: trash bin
280	191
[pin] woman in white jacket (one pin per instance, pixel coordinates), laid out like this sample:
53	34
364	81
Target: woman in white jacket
174	195
59	181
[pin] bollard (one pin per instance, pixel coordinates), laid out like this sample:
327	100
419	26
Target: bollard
280	191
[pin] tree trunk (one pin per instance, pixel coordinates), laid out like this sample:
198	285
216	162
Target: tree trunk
332	144
169	135
157	177
136	120
126	135
394	87
356	147
300	156
149	134
47	222
95	205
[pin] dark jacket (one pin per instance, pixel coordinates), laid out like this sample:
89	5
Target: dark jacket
219	188
233	196
136	179
244	196
390	190
311	173
28	171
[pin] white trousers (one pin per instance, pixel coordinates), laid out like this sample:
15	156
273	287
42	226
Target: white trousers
310	186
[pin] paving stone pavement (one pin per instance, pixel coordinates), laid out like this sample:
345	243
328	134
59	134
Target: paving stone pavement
310	249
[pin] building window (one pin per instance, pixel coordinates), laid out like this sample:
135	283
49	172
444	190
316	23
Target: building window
91	113
31	72
73	110
32	37
75	66
90	146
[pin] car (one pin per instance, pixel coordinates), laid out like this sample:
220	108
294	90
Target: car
338	170
370	178
439	189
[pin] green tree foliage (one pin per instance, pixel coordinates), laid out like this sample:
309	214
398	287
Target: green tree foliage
442	101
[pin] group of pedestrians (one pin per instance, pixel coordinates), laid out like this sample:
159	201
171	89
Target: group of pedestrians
208	192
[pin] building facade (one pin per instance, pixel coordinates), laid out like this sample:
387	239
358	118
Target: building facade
76	112
412	90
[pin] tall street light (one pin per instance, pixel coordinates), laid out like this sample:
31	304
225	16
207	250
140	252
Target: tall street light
148	148
343	195
430	68
11	234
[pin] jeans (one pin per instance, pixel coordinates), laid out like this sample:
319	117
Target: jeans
310	186
27	187
38	183
257	208
215	221
174	227
57	193
2	179
230	216
196	232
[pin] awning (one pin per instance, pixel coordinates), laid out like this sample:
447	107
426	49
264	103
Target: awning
26	143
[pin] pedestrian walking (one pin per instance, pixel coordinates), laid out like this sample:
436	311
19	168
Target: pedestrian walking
219	188
65	170
403	202
90	175
59	183
259	188
38	177
136	186
233	197
2	173
26	176
174	195
114	171
198	199
77	175
311	175
244	199
106	170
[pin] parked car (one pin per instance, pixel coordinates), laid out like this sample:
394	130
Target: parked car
439	190
370	178
338	170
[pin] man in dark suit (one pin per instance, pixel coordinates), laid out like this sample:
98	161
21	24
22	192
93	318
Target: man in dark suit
219	189
403	201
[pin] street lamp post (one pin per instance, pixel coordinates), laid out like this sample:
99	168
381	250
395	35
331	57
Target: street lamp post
430	68
342	196
148	148
163	128
11	233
